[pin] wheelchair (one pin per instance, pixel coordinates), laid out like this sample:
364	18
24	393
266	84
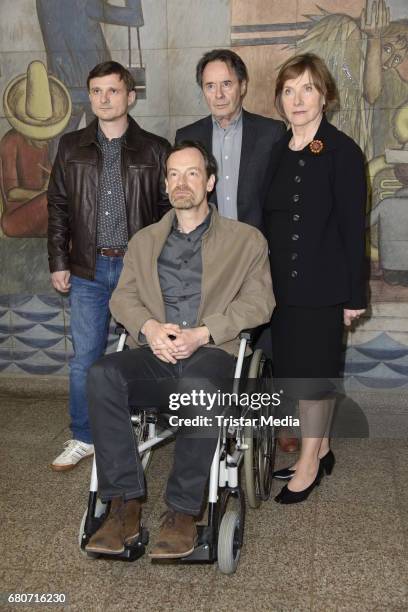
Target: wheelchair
251	446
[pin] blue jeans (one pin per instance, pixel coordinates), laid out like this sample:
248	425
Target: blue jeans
89	328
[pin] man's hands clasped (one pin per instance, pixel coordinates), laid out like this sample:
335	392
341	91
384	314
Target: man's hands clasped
169	342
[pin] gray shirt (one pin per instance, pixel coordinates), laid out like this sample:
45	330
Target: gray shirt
111	229
226	145
180	269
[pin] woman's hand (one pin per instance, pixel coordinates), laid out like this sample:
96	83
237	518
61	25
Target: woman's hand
351	315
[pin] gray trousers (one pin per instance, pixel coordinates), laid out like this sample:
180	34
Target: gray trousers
120	382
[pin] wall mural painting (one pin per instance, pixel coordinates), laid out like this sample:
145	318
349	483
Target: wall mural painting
365	44
47	101
38	107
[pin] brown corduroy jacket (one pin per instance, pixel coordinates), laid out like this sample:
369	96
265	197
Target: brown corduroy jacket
236	287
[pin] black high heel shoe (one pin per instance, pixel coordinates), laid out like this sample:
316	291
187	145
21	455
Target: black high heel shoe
327	462
283	474
286	496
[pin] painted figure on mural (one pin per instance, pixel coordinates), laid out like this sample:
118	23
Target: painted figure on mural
392	216
27	151
38	108
73	51
369	59
389	215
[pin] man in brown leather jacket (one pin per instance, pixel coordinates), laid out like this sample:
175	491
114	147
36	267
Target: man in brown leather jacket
106	184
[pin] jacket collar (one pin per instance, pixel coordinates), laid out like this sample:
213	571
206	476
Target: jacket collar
206	132
132	134
208	121
162	228
249	137
326	133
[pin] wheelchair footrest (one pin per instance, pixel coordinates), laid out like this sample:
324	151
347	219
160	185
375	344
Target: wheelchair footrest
204	550
132	552
137	549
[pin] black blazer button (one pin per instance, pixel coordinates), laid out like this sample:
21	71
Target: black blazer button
294	273
295	236
296	197
302	162
294	256
297	179
296	217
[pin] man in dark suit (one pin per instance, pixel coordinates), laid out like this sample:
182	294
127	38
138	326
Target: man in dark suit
240	141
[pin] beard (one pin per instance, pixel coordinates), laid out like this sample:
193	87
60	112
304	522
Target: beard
182	201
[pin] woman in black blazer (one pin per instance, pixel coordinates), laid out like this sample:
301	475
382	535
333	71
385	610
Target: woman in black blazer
315	225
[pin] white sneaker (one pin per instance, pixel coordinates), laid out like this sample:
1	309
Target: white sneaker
75	450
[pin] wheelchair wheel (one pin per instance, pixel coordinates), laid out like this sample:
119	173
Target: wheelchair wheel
261	442
99	510
228	542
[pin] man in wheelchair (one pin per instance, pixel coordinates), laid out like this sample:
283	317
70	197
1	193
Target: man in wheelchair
190	284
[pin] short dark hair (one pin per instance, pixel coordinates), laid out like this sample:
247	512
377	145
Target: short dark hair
222	55
107	68
209	159
322	79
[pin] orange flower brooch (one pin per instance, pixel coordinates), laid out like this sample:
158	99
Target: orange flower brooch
316	146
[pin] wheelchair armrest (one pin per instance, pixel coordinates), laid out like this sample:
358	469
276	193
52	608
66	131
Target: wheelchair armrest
252	335
246	334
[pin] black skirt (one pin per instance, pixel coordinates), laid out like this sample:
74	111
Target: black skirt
307	344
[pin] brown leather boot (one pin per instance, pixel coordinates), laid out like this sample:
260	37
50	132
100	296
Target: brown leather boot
177	537
122	526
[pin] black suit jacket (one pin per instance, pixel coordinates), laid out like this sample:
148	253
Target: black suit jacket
259	135
315	222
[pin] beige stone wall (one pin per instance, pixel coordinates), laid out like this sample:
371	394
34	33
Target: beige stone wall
264	32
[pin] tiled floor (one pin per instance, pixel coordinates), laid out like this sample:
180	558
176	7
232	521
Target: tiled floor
344	549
